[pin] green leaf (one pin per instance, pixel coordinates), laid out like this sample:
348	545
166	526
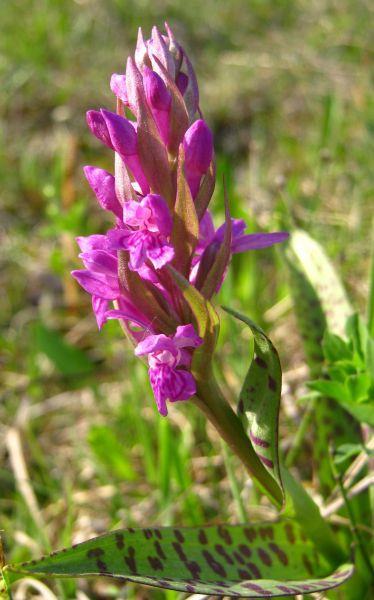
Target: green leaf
332	389
259	399
320	304
260	560
322	277
109	452
67	359
335	348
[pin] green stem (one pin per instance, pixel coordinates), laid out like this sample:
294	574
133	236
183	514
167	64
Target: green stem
235	490
211	402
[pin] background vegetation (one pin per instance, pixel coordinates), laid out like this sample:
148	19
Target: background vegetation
285	88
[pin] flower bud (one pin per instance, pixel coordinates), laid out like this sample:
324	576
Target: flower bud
118	87
103	184
198	148
96	123
159	100
123	137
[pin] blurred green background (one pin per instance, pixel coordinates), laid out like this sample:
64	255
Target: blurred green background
285	87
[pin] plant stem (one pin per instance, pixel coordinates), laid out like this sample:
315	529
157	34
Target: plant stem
211	402
234	484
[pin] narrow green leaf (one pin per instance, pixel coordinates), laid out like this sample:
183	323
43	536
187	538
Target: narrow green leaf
259	399
185	232
320	304
260	560
322	276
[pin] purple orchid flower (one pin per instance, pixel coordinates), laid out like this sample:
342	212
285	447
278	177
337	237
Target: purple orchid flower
100	279
210	240
149	226
169	360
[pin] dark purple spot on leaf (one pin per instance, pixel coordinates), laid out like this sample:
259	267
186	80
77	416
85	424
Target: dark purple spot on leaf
179	535
190	588
267	462
307	564
220	549
224	534
254	569
214	565
264	557
287	590
256	588
179	550
158	534
260	362
193	568
266	533
258	441
159	550
272	384
155	563
238	557
250	533
119	541
95	552
148	534
240	407
279	552
245	550
202	537
130	559
243	574
290	533
101	566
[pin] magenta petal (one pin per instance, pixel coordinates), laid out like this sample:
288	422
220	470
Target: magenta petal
182	386
182	82
198	147
152	343
92	242
103	184
122	133
161	219
238	227
100	261
96	123
160	253
126	315
256	241
97	284
99	307
186	336
155	89
118	86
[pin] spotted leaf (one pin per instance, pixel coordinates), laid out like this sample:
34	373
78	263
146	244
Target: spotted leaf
257	561
259	398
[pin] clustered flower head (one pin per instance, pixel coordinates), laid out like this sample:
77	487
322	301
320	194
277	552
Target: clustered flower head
163	181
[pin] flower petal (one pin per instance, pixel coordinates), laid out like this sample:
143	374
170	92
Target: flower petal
256	241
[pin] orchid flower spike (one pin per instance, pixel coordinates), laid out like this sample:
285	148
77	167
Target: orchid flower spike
159	196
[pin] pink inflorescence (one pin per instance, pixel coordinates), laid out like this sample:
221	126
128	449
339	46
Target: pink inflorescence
159	195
